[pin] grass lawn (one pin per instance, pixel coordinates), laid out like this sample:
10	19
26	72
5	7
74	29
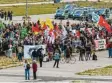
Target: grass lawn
106	71
33	9
20	1
6	62
50	8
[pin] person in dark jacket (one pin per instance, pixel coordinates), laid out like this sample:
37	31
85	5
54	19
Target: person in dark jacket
34	67
34	54
40	55
82	53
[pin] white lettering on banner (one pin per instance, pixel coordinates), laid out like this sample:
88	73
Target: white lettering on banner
28	49
100	44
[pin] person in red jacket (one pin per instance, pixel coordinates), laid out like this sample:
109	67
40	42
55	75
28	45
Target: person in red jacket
34	67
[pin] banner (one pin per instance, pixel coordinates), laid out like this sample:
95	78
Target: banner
28	49
100	44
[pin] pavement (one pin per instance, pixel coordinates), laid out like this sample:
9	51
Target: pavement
65	71
42	17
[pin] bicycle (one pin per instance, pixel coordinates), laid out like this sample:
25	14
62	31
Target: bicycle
71	60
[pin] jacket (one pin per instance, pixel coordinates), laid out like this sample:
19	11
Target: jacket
34	67
56	56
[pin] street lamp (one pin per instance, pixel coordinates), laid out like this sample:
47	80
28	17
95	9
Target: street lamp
26	18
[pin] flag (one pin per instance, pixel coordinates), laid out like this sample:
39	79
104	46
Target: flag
64	32
44	26
78	33
35	28
49	23
23	32
103	23
95	17
56	28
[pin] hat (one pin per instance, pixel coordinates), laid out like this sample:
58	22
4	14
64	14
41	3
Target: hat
34	61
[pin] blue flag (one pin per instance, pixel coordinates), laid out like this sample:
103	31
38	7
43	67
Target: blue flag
95	17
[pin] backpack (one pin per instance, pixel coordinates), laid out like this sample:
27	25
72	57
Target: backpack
28	66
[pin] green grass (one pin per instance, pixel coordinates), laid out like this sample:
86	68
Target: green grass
106	71
50	8
33	9
20	1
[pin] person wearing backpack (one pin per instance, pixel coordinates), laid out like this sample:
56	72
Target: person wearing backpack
56	58
27	70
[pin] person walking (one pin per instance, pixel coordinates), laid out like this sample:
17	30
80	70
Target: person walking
19	48
40	55
68	55
34	67
27	70
34	54
82	53
56	58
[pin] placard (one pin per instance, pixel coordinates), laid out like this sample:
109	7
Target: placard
28	49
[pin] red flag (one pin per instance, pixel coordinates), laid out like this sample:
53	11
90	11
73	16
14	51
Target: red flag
35	28
102	22
44	26
50	32
78	33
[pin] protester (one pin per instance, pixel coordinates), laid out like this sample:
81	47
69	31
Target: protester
20	52
34	67
56	58
82	53
34	55
40	55
53	35
110	48
27	70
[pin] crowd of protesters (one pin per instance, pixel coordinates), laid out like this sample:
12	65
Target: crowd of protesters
15	36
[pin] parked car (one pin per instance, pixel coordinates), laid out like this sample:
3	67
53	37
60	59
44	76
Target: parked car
105	12
62	14
80	14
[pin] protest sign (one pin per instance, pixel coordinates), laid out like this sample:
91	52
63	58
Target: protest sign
100	44
28	49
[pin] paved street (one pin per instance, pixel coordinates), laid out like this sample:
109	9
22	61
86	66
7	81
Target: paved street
42	17
65	72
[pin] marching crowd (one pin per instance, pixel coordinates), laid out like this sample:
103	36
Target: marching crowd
60	39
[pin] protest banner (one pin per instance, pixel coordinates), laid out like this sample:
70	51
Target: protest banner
28	49
100	44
